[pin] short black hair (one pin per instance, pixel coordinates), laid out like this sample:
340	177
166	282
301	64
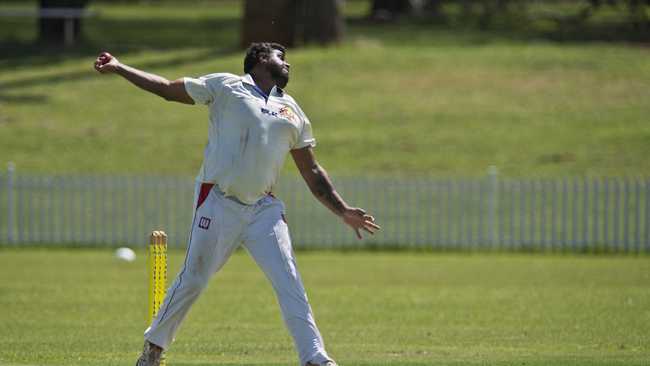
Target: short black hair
258	49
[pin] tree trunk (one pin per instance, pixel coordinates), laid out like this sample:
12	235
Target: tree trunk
269	21
52	30
292	22
320	21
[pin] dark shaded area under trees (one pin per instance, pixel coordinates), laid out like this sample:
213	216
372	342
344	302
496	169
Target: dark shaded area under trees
52	29
569	19
298	22
293	22
290	22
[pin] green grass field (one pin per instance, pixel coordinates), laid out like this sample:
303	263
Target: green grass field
405	99
83	307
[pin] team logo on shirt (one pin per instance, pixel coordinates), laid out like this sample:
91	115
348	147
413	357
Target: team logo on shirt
284	112
288	113
204	223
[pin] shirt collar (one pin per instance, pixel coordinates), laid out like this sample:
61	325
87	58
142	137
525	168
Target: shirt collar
248	79
276	91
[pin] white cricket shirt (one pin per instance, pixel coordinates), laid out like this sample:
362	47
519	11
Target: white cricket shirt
249	135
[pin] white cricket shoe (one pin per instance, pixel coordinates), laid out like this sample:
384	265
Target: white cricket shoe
151	355
326	363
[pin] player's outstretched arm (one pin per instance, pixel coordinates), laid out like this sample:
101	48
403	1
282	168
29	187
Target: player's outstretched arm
170	90
321	186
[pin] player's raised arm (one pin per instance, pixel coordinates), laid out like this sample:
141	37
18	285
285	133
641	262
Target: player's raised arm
170	90
321	186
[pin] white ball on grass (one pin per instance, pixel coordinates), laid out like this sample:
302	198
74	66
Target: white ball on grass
125	254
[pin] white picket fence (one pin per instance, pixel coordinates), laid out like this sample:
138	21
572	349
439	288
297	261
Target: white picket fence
568	214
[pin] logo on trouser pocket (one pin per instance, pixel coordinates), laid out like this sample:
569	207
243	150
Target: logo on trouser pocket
204	223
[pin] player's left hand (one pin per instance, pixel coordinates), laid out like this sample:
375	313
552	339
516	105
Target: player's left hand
358	220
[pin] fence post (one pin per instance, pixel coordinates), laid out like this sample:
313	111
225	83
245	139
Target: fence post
647	216
493	187
11	167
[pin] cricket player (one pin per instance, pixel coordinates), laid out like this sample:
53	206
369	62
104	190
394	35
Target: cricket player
253	124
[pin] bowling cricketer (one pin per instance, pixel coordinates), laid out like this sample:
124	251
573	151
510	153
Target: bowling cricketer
253	125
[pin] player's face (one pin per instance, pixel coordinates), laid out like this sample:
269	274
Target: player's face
278	68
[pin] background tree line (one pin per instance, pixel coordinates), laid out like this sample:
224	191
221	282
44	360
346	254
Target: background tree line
296	22
486	10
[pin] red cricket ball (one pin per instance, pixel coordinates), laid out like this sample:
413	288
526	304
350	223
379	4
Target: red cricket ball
105	57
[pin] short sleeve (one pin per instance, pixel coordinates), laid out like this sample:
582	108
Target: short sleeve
206	89
306	138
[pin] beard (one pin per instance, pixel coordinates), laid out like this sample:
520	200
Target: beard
279	75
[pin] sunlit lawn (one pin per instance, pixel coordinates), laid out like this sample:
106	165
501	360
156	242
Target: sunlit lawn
83	307
401	99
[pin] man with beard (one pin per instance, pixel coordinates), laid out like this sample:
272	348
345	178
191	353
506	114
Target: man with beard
253	125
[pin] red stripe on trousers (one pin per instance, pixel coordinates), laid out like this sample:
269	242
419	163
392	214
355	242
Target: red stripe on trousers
203	193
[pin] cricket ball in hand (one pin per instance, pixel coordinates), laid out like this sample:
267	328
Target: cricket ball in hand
105	57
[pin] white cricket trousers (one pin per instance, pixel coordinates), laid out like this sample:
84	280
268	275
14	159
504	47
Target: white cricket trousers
219	226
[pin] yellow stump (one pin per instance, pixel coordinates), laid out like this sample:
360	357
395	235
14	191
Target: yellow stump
157	273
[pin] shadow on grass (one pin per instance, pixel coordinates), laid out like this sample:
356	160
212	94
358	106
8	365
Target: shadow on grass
125	37
90	72
220	36
22	99
430	31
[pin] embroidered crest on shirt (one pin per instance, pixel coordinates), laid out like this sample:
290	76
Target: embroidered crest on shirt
284	112
289	114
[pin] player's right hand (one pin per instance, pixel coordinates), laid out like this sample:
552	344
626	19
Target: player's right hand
106	63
